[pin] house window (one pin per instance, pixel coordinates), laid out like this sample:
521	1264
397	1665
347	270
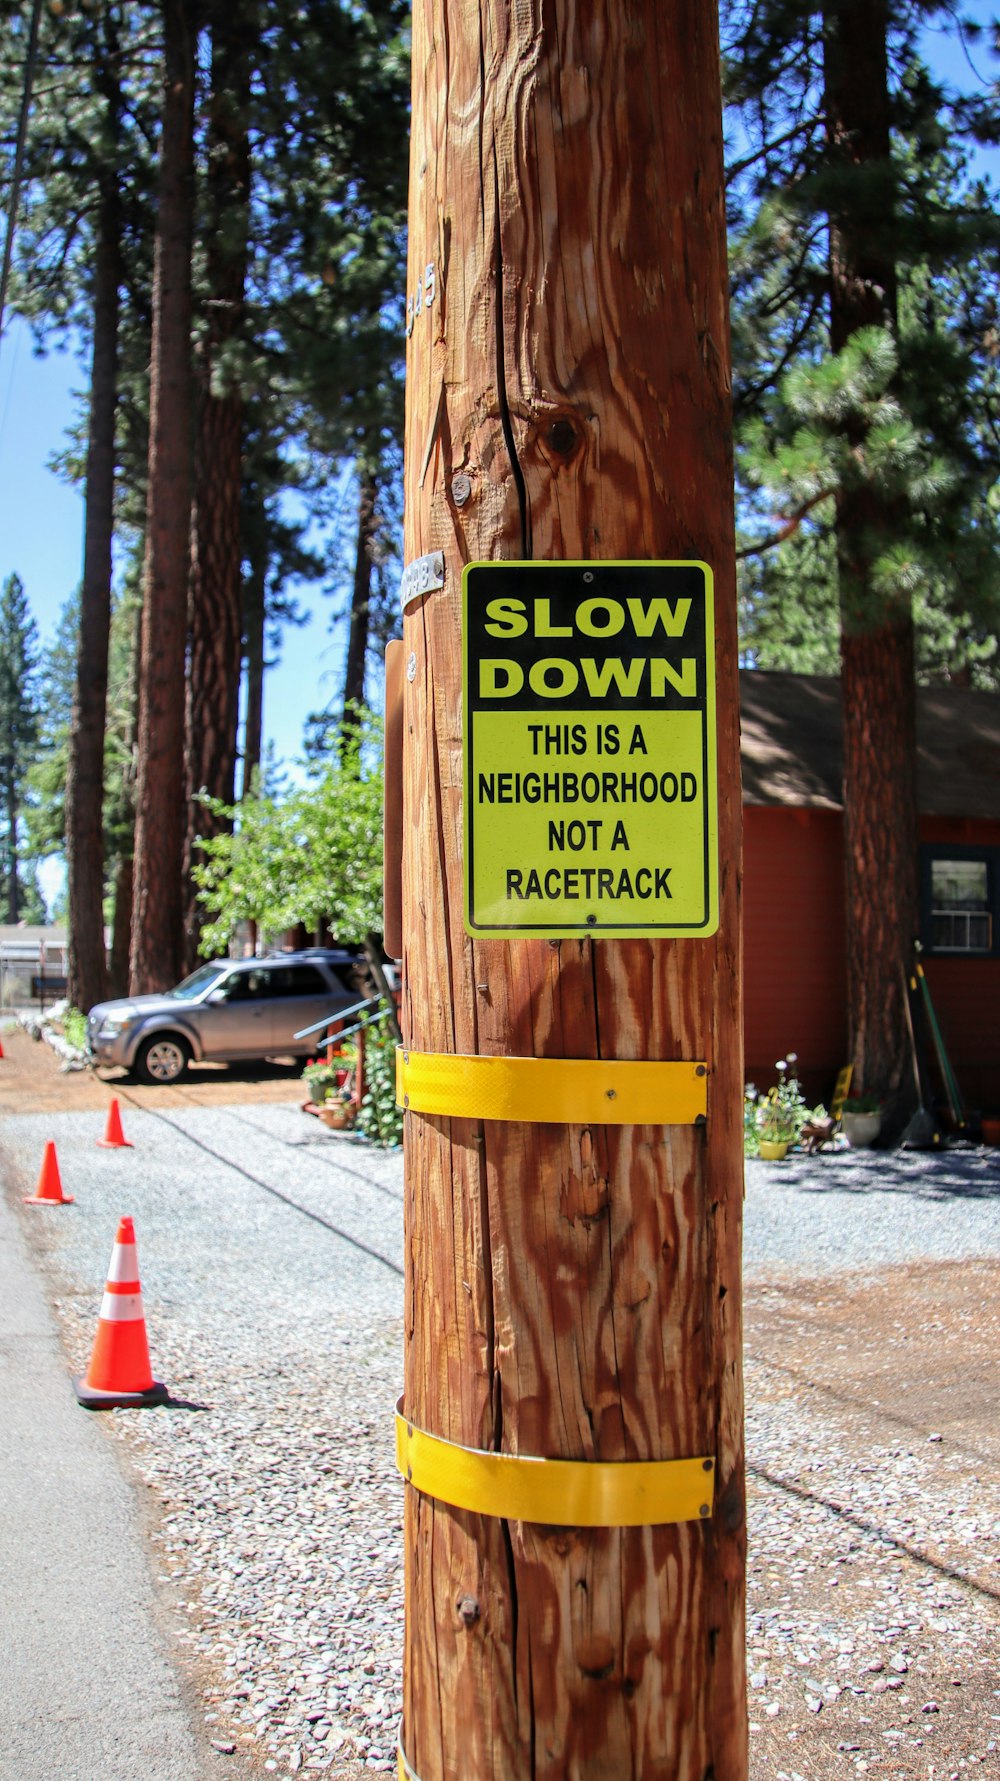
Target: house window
961	890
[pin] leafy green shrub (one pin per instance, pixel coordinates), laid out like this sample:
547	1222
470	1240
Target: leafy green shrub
751	1136
379	1119
779	1115
74	1026
330	1075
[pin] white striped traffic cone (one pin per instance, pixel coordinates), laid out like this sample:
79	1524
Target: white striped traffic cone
119	1371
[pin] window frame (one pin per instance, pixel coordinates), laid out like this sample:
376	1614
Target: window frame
930	853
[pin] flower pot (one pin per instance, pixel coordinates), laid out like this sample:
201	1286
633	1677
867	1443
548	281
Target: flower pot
861	1129
772	1151
337	1116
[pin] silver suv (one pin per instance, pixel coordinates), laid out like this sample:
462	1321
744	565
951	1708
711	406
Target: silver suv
225	1012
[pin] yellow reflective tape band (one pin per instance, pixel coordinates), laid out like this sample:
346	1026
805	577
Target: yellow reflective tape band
556	1492
403	1769
562	1091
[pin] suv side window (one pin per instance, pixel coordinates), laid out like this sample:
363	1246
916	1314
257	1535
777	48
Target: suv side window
236	987
297	980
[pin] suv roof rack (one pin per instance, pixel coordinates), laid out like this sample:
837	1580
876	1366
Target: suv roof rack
335	954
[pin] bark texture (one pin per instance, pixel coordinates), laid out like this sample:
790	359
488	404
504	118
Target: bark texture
156	958
121	932
216	630
85	770
881	822
254	620
361	593
10	845
571	1292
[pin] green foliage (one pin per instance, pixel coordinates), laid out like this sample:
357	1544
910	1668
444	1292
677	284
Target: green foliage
903	423
311	854
778	1116
45	814
379	1117
327	1076
862	1104
19	723
74	1026
751	1135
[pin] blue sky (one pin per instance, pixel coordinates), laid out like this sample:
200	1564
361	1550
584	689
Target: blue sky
41	533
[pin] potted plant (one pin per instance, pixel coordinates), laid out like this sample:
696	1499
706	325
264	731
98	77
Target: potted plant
326	1077
861	1120
338	1111
781	1113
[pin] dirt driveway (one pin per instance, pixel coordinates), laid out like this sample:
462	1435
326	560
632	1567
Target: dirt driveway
33	1080
874	1582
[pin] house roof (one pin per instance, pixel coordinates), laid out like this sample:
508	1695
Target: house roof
25	934
791	744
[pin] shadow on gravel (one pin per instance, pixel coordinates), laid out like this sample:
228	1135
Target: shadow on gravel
865	1525
926	1175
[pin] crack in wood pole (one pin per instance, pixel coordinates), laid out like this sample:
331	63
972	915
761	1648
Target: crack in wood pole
502	398
482	127
508	1546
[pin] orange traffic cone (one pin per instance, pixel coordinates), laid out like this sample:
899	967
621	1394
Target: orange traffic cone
119	1371
49	1190
114	1138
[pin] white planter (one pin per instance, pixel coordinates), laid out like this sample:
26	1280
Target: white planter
861	1129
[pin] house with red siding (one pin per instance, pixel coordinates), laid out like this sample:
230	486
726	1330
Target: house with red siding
794	983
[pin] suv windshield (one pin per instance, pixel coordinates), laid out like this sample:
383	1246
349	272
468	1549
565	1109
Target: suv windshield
198	980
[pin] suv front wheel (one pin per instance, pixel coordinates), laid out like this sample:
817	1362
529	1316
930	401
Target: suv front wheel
162	1058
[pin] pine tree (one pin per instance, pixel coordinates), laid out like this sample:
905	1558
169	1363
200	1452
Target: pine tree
215	616
157	954
85	779
311	364
867	433
82	272
18	729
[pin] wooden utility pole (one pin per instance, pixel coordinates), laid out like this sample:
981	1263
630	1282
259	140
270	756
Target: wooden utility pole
573	1287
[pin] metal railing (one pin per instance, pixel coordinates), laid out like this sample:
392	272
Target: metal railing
330	1020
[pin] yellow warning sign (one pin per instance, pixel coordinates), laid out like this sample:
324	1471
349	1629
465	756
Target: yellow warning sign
590	776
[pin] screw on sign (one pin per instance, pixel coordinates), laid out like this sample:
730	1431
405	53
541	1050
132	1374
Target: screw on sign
572	1441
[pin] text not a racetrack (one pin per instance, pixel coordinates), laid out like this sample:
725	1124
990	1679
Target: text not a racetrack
602	883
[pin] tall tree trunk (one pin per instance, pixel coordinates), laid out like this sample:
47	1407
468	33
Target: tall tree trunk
877	653
121	931
361	593
13	885
157	954
124	822
215	593
85	770
254	595
572	1290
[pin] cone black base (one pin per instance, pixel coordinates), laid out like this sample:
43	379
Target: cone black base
125	1400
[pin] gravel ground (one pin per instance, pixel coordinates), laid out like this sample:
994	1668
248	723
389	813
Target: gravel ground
871	1209
271	1258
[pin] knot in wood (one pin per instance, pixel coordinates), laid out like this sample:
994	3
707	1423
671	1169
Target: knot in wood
562	437
468	1609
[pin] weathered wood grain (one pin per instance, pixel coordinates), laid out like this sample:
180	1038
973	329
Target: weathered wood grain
571	1292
